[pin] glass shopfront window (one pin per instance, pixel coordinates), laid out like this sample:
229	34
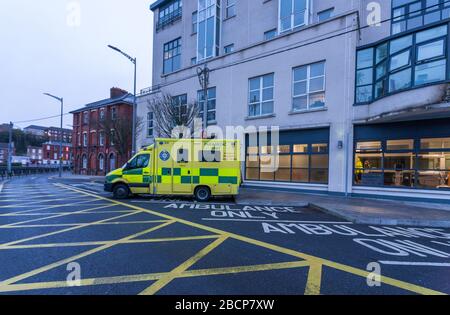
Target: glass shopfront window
294	162
422	163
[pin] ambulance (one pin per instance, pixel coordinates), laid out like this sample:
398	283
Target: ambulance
185	167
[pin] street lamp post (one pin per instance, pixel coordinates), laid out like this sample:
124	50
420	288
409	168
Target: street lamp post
134	61
61	100
10	149
203	77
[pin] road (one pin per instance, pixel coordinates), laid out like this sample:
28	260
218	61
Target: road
69	237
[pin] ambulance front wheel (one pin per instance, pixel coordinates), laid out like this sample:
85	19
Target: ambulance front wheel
121	191
202	193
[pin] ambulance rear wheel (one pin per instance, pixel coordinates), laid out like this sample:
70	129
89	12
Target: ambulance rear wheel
202	194
121	191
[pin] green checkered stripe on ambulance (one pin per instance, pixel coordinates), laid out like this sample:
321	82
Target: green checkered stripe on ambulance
211	176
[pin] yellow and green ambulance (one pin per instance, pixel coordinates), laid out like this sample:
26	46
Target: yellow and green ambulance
192	167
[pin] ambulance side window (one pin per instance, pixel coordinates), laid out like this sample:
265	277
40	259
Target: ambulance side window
183	156
143	160
209	156
140	161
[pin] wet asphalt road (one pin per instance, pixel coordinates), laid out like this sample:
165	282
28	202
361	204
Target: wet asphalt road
69	237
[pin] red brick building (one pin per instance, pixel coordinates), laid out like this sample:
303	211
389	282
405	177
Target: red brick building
50	153
101	136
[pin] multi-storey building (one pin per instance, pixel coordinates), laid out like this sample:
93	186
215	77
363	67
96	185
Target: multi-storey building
35	154
101	136
54	134
39	131
358	88
51	133
50	153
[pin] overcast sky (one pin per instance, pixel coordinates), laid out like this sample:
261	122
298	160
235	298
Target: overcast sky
46	46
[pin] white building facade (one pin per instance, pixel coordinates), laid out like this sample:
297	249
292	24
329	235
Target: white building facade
361	109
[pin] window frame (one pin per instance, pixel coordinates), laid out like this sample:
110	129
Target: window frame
217	22
292	15
230	6
171	53
261	94
308	82
330	10
422	13
209	99
413	63
172	15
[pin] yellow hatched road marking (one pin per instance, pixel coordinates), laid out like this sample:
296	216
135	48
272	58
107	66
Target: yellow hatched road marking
47	207
154	276
95	243
50	207
65	230
27	204
4	284
69	213
57	215
78	224
182	268
314	280
312	259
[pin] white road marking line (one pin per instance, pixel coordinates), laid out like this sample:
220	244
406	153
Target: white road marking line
277	221
409	263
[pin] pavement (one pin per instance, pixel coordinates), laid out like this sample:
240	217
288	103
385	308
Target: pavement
67	236
357	210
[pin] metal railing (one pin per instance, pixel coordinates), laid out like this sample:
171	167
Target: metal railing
27	171
169	19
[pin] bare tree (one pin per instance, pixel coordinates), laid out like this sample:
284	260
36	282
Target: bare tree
119	130
172	114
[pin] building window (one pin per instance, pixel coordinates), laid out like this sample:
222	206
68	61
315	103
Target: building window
208	35
180	105
270	34
401	63
228	49
298	163
193	61
172	56
85	139
308	90
112	136
85	118
293	13
230	9
79	139
401	163
101	162
102	114
325	15
114	113
149	124
211	104
194	22
85	162
261	95
411	14
101	138
169	14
